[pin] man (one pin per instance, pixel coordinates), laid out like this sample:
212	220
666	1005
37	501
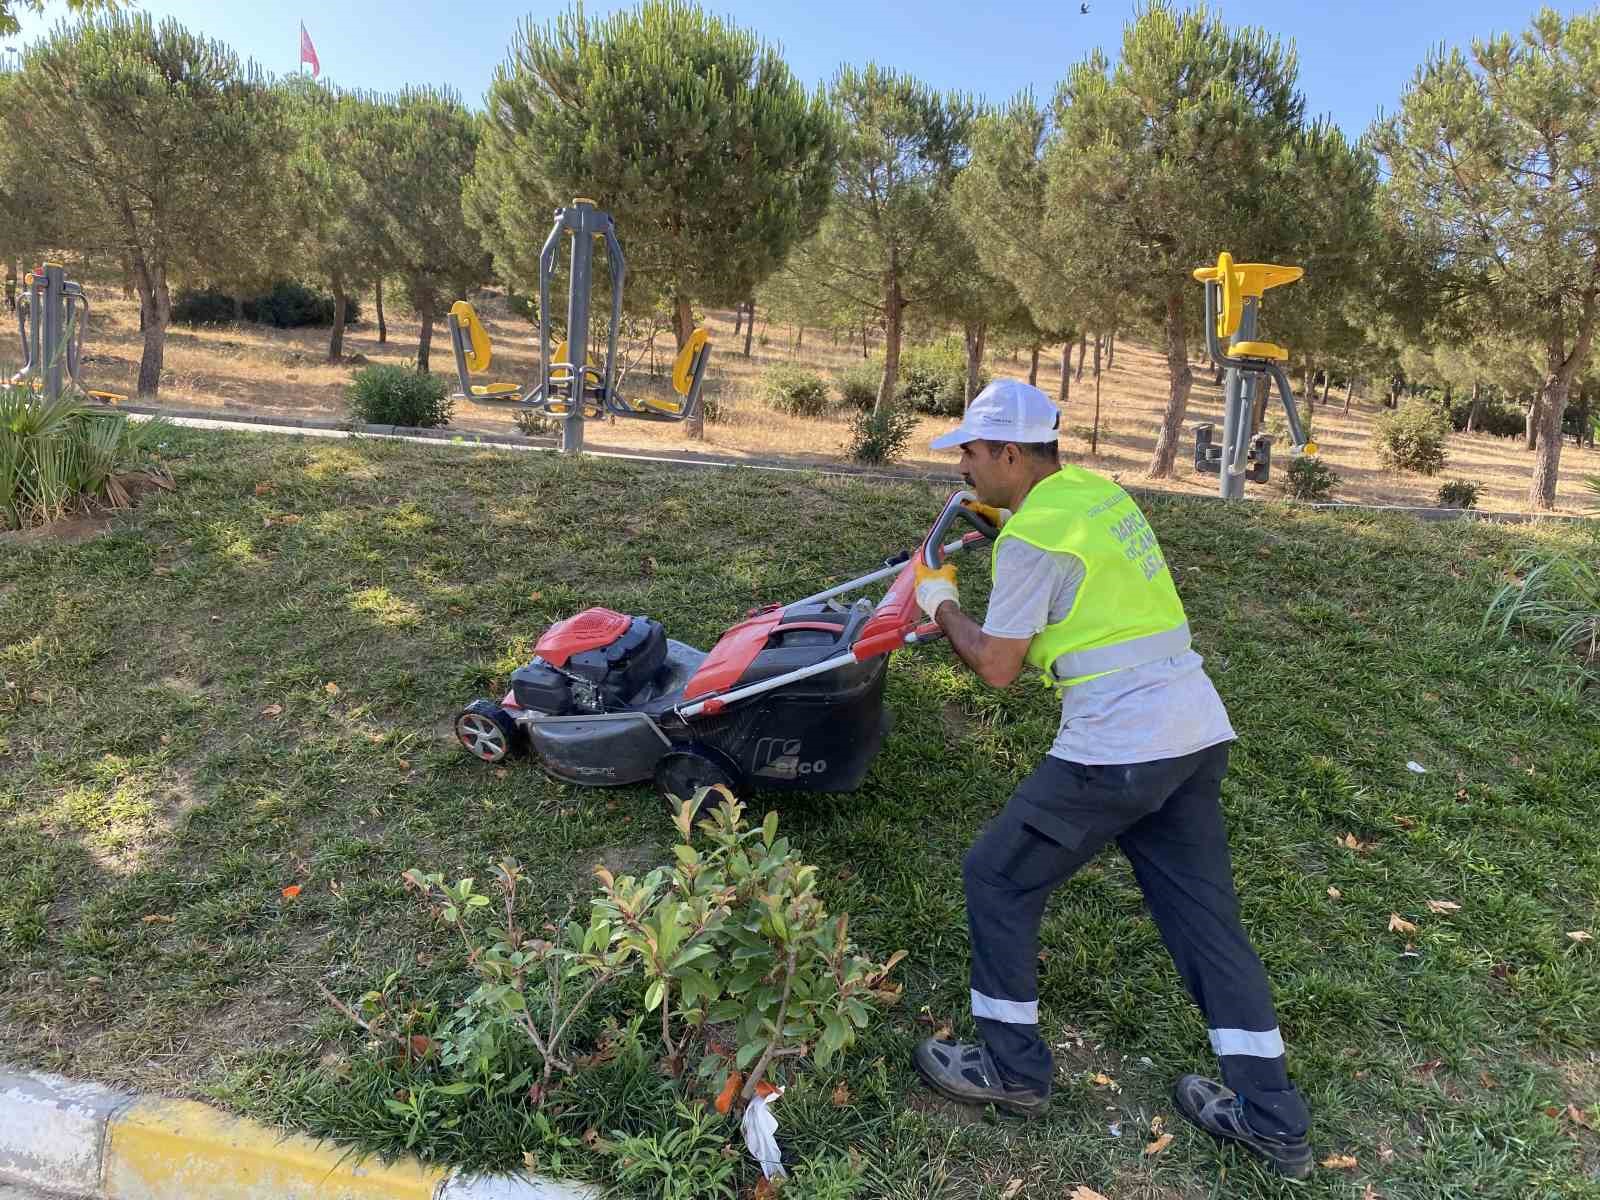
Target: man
1084	601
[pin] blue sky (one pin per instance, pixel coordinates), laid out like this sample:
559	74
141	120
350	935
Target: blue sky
1355	56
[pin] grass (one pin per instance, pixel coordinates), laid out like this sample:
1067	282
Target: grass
213	701
282	372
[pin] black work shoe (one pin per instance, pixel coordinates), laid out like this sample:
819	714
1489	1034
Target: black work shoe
964	1071
1208	1105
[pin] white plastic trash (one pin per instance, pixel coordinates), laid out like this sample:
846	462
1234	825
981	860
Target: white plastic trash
761	1135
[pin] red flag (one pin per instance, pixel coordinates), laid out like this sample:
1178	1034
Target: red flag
308	52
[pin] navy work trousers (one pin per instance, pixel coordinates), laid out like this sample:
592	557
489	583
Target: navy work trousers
1166	817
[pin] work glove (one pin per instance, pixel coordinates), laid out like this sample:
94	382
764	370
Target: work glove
935	587
995	516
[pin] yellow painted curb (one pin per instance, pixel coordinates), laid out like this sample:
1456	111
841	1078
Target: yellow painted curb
179	1150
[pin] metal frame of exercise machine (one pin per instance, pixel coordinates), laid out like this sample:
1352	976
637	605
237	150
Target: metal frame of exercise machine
1233	304
566	392
52	314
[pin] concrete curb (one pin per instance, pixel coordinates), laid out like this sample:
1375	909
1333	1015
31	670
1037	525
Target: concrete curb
81	1139
212	418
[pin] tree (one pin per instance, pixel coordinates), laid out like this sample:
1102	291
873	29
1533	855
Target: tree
903	144
692	132
8	11
1193	143
1493	164
335	235
156	143
411	154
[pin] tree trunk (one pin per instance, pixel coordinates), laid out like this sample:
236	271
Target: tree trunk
155	310
738	318
1097	340
893	307
863	337
238	308
1560	369
1530	424
1349	390
682	330
1111	349
975	333
1083	353
127	277
1066	372
749	326
1033	367
1475	412
1327	382
1180	379
340	305
800	338
425	338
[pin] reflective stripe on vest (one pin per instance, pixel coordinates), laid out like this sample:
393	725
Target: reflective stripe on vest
1126	611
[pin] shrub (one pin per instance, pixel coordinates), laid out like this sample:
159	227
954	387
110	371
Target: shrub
1459	493
532	422
1495	417
1558	596
1309	478
202	306
1412	439
682	1163
794	391
63	457
858	385
1278	425
393	395
933	378
881	437
291	305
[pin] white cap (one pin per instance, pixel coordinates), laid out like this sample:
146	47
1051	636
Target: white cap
1008	410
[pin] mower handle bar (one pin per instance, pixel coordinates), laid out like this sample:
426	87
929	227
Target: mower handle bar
933	549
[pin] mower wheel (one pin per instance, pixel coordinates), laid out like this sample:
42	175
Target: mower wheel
487	731
682	773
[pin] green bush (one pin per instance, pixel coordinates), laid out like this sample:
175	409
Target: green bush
1495	417
1557	596
881	437
202	306
1412	439
1309	478
1459	493
291	305
933	378
794	391
393	395
63	457
858	385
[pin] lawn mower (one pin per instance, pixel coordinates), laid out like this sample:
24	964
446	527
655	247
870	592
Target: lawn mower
791	698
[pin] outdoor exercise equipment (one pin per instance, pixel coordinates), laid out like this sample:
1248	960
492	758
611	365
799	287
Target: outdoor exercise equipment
566	392
52	314
789	698
1233	304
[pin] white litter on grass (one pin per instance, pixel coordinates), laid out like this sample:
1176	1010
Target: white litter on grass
1114	1129
1416	767
761	1135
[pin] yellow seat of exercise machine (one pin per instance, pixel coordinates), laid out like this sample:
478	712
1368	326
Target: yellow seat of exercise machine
683	365
107	397
495	389
478	350
1259	350
560	375
1239	281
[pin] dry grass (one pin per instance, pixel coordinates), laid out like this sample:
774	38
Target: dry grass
249	368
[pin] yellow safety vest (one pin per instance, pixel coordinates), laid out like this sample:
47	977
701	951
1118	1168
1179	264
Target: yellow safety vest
1126	611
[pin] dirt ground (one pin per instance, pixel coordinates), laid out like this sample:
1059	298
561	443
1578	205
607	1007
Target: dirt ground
253	368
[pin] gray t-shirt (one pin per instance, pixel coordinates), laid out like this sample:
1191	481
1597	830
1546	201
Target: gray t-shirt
1163	709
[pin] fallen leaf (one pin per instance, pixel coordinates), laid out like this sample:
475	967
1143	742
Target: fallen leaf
841	1095
500	773
1500	970
405	764
1335	894
1578	1117
290	892
1443	906
529	1159
1156	1124
1370	1193
1428	1068
1350	842
1406	822
38	697
1340	1162
591	1137
1385	1152
264	489
272	710
766	1189
943	1034
536	596
157	919
1398	924
1486	1081
331	688
1580	935
420	1045
166	739
1013	1186
1160	1144
765	1089
1552	1112
1085	1193
728	1092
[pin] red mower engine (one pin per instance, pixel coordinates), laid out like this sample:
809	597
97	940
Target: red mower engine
594	662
